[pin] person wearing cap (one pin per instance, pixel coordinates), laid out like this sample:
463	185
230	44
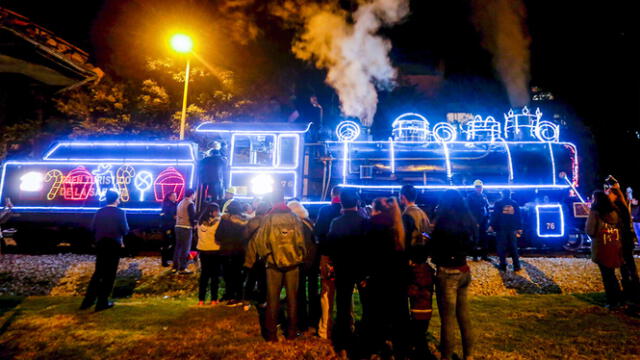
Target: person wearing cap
479	207
227	199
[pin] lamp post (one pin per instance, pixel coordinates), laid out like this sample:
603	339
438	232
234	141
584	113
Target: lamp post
183	44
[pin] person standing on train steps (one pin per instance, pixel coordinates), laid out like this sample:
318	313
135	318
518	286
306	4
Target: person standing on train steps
185	224
109	227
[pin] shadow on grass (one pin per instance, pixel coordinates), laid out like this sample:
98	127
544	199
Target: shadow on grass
536	283
8	303
598	299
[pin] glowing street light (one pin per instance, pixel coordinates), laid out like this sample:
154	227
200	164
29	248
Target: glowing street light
183	44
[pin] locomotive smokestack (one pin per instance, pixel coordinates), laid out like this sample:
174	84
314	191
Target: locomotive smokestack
348	46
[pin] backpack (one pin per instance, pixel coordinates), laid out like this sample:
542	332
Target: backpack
610	252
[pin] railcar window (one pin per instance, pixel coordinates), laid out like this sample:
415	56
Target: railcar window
253	150
288	150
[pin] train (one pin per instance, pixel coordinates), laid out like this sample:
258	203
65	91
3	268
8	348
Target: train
523	153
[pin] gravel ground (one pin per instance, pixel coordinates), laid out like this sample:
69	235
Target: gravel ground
68	274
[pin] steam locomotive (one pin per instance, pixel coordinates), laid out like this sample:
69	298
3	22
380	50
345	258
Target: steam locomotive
522	153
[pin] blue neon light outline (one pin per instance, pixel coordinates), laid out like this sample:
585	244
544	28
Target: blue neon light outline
447	160
261	171
392	151
16	162
233	145
553	162
48	157
81	208
549	206
400	118
346	124
506	147
139	175
538	131
479	125
345	159
457	187
254	131
444	125
279	151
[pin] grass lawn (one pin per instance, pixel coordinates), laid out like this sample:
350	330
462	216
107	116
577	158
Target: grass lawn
513	327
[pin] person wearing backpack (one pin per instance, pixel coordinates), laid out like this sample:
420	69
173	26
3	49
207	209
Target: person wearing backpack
604	227
280	241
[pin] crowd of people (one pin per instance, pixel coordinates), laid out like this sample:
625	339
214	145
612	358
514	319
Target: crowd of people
390	251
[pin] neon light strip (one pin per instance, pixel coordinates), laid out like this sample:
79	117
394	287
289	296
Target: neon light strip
254	131
392	150
315	202
506	147
451	142
233	143
345	159
261	171
458	187
553	163
82	208
401	117
552	206
4	167
279	151
574	189
447	159
47	156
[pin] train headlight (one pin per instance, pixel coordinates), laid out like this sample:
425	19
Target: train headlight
31	181
262	184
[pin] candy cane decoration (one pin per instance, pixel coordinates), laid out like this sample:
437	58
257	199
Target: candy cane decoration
123	178
58	178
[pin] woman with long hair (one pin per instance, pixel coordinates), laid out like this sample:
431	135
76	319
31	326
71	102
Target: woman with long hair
605	228
209	251
628	270
167	225
451	242
387	315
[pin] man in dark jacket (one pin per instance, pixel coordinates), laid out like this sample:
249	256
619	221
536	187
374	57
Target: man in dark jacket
326	214
231	237
213	174
344	245
479	208
505	221
109	226
280	242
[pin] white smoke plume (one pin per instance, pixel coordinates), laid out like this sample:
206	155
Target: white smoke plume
349	47
504	33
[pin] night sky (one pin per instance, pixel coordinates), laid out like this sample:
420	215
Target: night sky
583	52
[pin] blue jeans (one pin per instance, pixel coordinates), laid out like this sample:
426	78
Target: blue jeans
451	294
183	246
507	241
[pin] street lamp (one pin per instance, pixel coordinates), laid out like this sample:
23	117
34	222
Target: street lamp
183	44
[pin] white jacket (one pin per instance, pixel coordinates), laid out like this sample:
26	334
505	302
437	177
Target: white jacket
207	236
